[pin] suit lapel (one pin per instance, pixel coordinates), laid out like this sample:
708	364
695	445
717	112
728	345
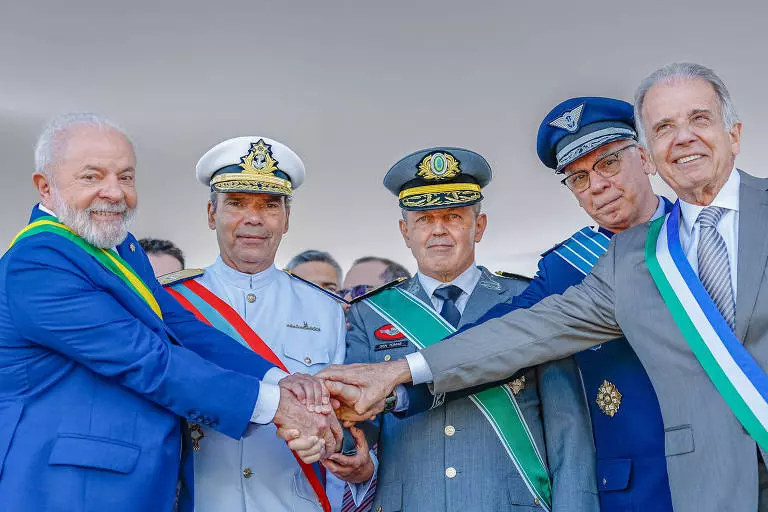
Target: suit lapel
753	247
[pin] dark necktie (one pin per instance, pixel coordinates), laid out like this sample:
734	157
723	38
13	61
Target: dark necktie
449	294
714	267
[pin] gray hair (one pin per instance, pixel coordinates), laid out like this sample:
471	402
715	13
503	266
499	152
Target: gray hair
476	208
684	70
313	255
52	141
215	197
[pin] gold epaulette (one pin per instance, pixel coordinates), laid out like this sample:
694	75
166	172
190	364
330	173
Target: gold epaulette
383	287
179	276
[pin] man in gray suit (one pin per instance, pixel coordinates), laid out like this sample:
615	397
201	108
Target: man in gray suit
689	292
450	457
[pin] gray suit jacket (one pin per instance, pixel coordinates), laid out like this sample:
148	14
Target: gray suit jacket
415	451
711	460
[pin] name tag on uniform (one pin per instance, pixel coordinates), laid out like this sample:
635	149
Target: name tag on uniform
391	345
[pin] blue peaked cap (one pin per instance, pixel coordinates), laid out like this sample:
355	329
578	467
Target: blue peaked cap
578	126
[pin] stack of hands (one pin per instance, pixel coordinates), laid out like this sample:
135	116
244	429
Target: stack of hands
312	410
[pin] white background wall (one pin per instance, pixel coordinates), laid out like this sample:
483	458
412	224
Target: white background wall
352	86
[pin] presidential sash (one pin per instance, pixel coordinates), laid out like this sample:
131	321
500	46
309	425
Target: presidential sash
423	326
210	309
737	377
110	260
583	249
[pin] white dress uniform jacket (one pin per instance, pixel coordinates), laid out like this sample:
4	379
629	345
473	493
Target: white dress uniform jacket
306	330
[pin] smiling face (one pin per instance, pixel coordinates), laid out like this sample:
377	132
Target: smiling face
443	241
623	200
687	140
91	186
249	228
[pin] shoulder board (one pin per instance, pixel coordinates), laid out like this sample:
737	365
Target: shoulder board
390	284
582	230
512	275
180	276
322	290
548	251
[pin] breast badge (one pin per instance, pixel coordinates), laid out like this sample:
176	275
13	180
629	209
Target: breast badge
517	385
608	398
388	332
196	433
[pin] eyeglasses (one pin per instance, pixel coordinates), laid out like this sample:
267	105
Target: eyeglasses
355	291
608	166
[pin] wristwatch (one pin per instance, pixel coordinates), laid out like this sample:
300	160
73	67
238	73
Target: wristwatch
390	402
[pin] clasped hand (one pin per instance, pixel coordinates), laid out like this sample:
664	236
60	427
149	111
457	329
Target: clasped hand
355	392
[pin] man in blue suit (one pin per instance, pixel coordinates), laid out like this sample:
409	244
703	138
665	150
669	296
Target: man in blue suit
99	362
592	142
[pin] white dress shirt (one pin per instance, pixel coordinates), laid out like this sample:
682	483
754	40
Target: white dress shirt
728	226
306	330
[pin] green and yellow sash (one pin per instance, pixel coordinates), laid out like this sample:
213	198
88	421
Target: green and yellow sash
423	327
109	259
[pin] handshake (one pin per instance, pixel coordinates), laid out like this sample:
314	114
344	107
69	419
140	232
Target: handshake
311	407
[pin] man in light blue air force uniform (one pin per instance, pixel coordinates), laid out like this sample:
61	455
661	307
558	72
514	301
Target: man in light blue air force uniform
99	363
252	180
452	457
592	143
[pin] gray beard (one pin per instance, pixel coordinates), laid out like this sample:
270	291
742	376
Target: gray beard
80	221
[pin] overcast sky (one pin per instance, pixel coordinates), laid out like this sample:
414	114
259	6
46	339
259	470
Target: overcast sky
352	87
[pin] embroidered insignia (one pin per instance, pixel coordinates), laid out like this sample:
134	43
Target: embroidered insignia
259	159
392	344
304	326
608	398
132	247
517	385
388	332
490	285
438	166
196	433
569	120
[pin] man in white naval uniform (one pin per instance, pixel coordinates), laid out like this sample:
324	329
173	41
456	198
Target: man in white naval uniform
251	180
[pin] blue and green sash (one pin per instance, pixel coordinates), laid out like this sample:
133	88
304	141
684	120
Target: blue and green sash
733	371
110	260
583	249
423	327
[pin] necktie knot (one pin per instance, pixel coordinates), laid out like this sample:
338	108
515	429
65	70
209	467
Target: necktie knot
450	292
710	216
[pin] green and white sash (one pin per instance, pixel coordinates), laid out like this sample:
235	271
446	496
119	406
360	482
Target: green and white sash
733	371
423	326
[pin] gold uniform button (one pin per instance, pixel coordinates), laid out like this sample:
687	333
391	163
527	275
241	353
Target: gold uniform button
536	501
450	472
308	360
378	509
247	473
251	298
387	357
449	430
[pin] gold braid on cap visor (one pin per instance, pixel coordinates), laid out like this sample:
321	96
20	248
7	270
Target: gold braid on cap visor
242	182
445	194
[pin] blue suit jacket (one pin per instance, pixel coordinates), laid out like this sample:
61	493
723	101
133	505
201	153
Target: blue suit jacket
93	383
414	450
631	462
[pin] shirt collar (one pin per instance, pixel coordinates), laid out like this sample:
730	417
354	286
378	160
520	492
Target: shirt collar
727	197
467	281
241	279
44	209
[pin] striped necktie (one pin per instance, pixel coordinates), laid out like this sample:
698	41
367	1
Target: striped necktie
714	266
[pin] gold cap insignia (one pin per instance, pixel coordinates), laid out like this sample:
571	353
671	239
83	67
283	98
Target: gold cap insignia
258	175
259	159
439	166
517	385
608	398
